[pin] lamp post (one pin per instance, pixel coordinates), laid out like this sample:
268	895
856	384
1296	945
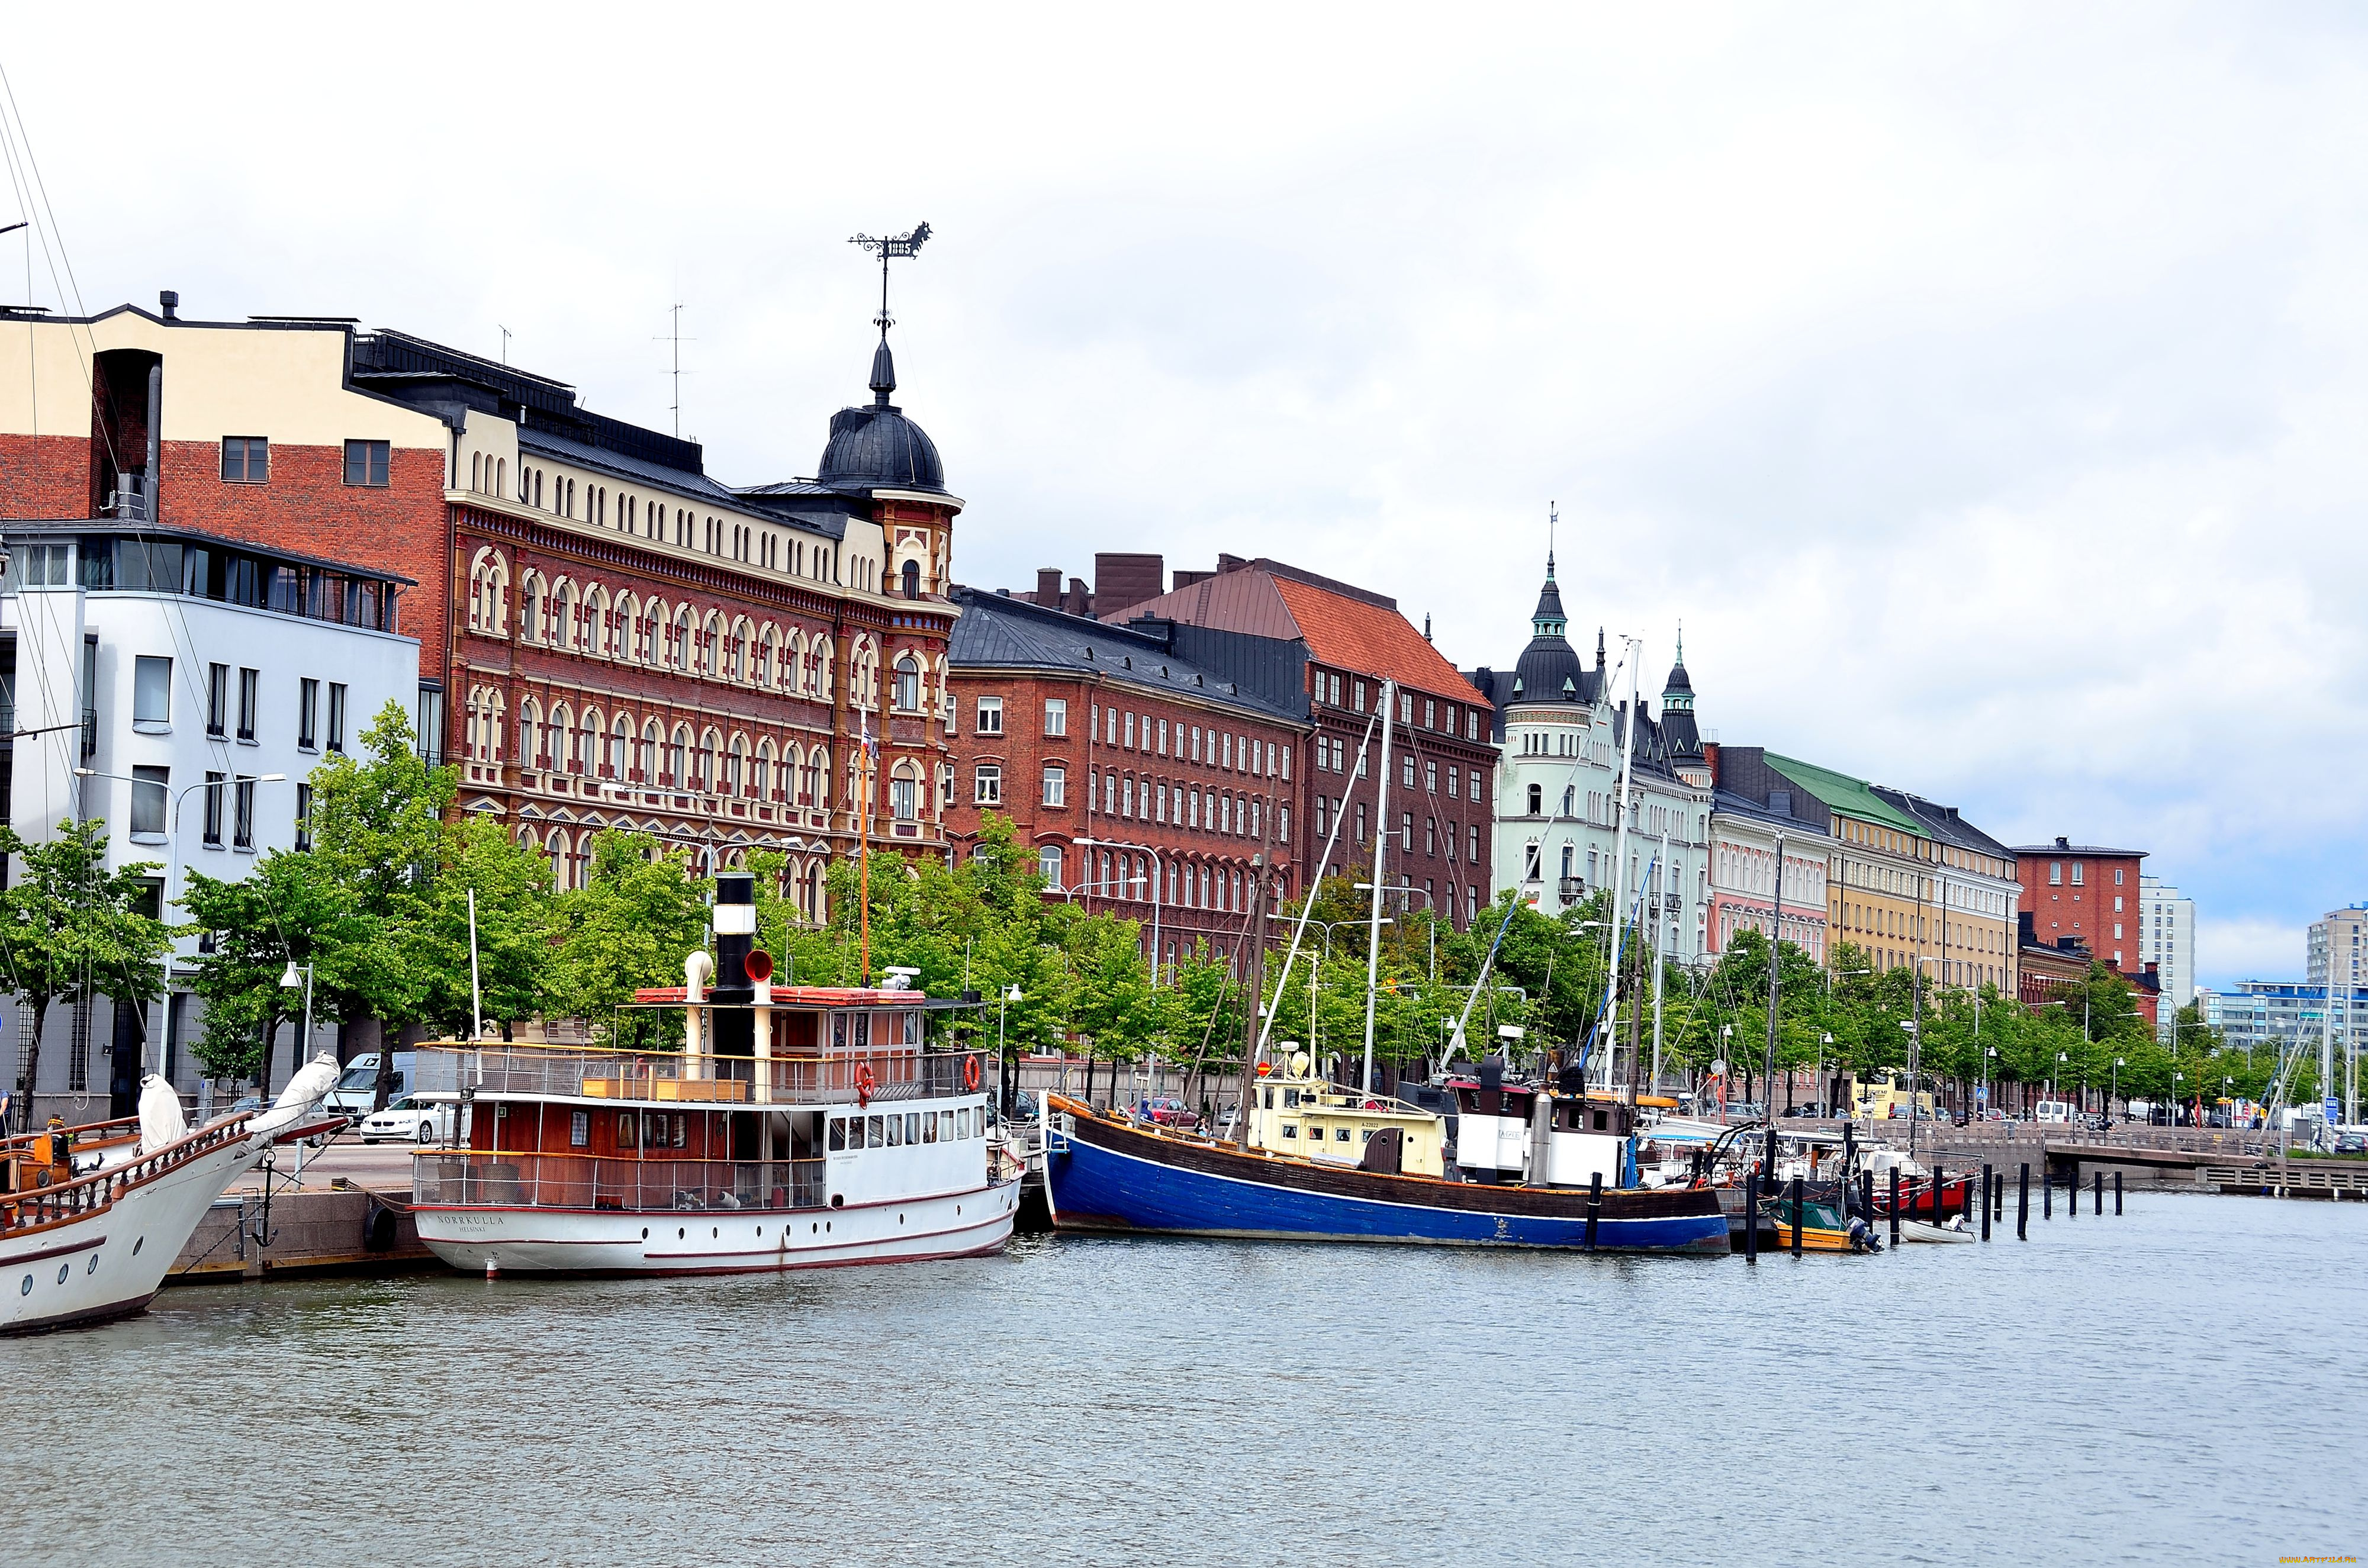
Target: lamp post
288	980
1718	1068
2114	1091
1003	1000
1990	1057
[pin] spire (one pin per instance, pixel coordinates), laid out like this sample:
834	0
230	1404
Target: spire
884	364
1547	619
1599	647
1553	518
883	372
1682	642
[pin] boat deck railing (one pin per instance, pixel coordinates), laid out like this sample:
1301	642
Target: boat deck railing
597	1183
831	1078
86	1194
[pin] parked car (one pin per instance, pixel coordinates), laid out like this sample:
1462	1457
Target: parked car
1806	1107
2351	1142
411	1119
1169	1111
2056	1113
357	1089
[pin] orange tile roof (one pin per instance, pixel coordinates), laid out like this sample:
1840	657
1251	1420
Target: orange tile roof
1350	634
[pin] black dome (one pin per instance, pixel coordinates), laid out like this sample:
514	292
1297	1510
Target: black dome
1546	665
876	448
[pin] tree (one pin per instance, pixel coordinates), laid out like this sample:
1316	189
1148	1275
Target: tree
70	926
636	917
289	909
430	937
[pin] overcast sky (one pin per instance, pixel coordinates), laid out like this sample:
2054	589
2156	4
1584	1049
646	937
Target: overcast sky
1983	390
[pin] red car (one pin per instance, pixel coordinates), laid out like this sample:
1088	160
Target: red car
1169	1112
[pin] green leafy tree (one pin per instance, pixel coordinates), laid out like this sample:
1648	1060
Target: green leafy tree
289	909
638	915
69	927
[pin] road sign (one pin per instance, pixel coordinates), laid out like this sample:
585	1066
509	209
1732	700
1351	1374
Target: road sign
2331	1110
1982	1093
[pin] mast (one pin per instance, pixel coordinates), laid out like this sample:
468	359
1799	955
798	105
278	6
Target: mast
1916	1035
1380	841
1775	970
864	858
1620	857
1659	961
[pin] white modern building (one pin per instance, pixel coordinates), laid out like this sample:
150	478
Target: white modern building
2167	940
182	688
1561	730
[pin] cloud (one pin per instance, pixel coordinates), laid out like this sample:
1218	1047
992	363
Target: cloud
1982	387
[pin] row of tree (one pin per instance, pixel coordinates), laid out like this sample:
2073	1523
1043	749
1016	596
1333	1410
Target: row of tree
379	904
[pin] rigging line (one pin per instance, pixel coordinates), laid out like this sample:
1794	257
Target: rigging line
1314	883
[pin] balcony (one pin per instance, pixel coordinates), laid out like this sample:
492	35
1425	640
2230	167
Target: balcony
658	1077
584	1181
1572	889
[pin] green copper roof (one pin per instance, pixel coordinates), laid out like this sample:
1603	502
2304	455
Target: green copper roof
1850	796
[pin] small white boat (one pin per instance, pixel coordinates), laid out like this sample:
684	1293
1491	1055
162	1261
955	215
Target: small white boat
1925	1231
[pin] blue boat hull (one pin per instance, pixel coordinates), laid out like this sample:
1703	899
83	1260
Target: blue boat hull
1108	1179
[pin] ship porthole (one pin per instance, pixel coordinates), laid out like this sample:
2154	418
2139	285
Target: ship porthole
137	1243
679	1233
645	1233
94	1265
27	1288
715	1234
64	1269
958	1210
761	1230
900	1218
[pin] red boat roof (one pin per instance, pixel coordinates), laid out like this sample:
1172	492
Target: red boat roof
796	996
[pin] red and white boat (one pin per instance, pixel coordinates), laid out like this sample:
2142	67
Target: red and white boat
799	1127
92	1217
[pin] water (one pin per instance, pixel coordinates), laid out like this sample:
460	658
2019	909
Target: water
2177	1385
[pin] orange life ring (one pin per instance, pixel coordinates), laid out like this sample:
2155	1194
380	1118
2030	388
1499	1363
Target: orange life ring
970	1073
864	1084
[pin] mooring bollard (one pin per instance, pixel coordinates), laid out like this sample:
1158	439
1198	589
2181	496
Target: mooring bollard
1866	1198
1594	1206
2022	1206
1894	1206
1800	1217
1939	1194
2099	1205
1997	1196
1989	1192
1752	1217
2117	1194
2047	1193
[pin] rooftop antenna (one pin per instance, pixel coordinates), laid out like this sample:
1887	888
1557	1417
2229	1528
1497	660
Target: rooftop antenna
1554	517
674	336
892	247
506	345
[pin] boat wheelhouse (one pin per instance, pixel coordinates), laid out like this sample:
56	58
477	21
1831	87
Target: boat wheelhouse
1512	1132
797	1127
1295	1113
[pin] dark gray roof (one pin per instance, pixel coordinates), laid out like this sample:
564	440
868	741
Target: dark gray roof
1943	822
1806	815
876	448
996	632
2061	848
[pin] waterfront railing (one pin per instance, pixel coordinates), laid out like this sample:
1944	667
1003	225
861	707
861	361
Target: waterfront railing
597	1183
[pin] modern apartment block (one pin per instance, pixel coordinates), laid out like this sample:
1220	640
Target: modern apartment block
2167	940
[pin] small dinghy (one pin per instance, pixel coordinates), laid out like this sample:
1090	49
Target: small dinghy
1925	1231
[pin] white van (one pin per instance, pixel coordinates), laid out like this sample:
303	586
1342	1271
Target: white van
356	1089
2057	1112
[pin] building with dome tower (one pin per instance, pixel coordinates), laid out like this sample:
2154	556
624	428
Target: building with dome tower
609	636
1561	731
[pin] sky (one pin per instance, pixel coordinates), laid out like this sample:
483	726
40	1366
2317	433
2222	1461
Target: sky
1981	386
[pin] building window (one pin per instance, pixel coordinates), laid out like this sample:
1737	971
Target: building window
1056	716
988	784
249	685
2054	873
217	698
303	816
2077	869
990	715
148	794
308	714
213	820
903	799
1056	784
246	459
1537	800
1048	865
242	828
152	690
365	464
908	683
336	716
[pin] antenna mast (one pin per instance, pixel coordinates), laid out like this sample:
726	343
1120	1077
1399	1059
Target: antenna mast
893	248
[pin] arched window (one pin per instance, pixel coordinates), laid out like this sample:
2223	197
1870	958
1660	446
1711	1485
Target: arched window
765	783
488	585
711	643
1537	800
767	669
908	683
912	579
599	628
560	632
587	744
905	792
620	740
677	757
530	597
735	779
647	653
476	471
708	770
501	476
816	789
555	738
555	845
735	652
679	646
646	760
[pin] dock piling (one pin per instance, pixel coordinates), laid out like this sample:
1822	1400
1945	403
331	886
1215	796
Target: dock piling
2117	1195
1940	1195
2098	1207
1990	1193
2047	1193
1594	1206
2022	1205
1894	1206
1752	1217
2072	1191
1800	1217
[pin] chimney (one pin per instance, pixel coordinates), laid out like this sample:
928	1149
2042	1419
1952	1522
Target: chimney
1124	579
2062	842
1426	626
169	301
1048	586
1080	601
1710	760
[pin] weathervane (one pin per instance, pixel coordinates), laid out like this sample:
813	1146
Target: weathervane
893	246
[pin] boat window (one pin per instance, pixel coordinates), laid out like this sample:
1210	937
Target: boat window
837	1133
929	1130
1290	1098
625	1129
579	1128
1602	1120
895	1131
863	1031
1339	1135
877	1140
912	1127
961	1125
1289	1130
946	1125
1369	1135
839	1032
912	1028
681	1131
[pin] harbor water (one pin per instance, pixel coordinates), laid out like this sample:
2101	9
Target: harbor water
2177	1385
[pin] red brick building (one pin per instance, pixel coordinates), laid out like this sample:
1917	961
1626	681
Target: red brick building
2083	891
1147	781
1442	758
609	636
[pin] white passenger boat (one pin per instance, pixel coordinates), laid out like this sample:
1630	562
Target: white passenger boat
92	1217
799	1127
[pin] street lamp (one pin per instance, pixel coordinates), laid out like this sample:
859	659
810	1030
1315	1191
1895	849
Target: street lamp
1003	1000
289	982
2114	1090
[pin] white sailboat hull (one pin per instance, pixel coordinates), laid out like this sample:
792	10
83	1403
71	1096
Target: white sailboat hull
745	1241
111	1260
